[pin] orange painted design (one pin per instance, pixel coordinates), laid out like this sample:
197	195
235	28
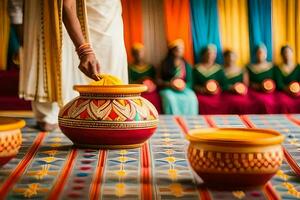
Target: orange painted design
58	186
133	26
233	162
110	110
178	24
19	170
10	142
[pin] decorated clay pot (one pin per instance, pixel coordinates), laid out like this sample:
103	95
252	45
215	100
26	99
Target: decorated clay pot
212	87
268	85
240	88
10	138
235	157
109	117
294	88
178	84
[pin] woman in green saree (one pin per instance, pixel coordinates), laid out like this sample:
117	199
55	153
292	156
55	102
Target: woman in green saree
176	74
236	95
261	82
209	81
287	77
140	72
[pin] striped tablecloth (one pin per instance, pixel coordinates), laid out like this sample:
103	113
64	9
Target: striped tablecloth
49	167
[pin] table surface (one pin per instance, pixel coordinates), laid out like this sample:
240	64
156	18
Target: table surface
48	167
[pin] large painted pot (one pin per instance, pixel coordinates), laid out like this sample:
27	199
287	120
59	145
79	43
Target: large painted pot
235	157
10	138
109	117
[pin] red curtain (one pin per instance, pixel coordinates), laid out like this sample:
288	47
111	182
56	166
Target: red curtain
178	24
133	26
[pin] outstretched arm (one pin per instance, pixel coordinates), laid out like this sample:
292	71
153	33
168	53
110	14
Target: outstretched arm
89	64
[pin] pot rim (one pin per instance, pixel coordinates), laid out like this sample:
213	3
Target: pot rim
274	139
111	89
8	123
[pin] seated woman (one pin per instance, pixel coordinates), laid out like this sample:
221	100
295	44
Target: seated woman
140	72
287	77
262	85
236	96
209	80
176	74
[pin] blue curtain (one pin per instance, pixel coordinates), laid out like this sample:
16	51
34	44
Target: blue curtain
260	26
205	26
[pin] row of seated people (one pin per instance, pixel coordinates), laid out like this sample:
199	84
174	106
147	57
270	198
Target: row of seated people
209	88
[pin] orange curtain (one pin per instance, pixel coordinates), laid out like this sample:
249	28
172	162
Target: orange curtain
133	26
178	24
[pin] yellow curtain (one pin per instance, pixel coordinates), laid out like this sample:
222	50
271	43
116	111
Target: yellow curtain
286	27
233	19
4	33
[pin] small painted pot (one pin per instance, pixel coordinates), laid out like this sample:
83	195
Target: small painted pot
110	117
240	88
10	138
269	85
294	88
212	87
235	157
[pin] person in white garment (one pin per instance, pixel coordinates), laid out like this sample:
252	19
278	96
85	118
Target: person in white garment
51	67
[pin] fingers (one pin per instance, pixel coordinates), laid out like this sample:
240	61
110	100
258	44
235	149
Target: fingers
83	69
93	71
90	67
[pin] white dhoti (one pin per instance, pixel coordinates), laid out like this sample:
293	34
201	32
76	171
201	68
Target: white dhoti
105	28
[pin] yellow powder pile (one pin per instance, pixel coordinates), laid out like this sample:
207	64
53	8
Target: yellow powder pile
107	79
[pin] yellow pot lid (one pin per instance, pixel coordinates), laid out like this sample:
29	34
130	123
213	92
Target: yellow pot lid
111	89
7	123
243	136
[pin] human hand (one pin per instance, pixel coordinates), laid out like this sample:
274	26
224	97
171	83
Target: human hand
90	66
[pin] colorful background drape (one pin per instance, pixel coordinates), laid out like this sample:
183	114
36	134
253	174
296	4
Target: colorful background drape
286	27
260	28
233	16
177	24
205	26
239	25
133	26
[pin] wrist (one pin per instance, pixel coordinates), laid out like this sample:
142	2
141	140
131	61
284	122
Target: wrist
84	50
